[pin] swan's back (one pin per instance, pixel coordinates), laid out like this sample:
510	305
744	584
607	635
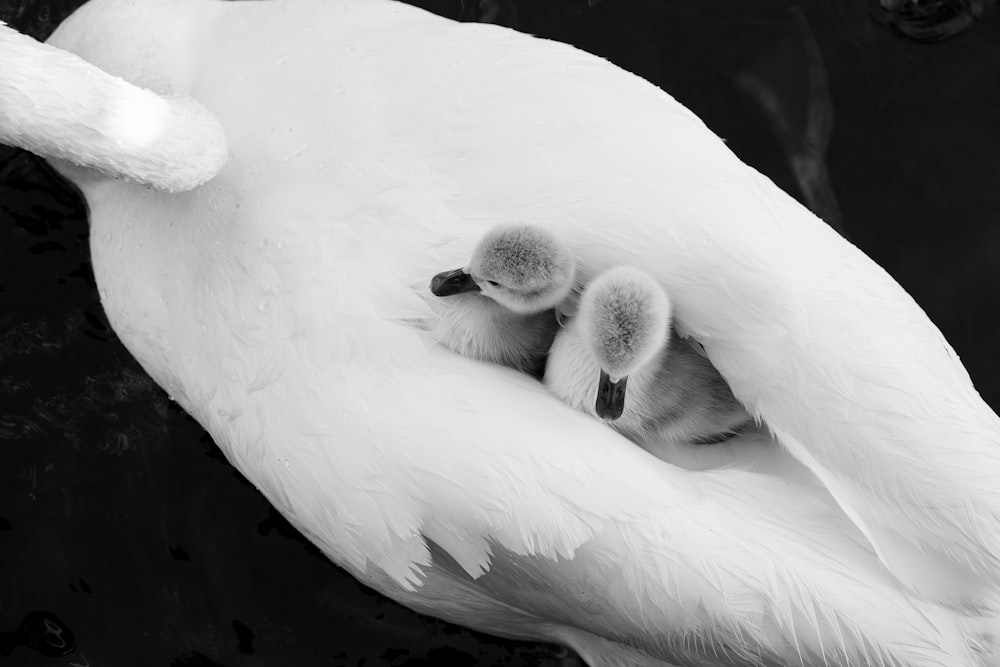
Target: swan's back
291	332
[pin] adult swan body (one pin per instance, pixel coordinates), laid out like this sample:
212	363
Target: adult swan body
281	303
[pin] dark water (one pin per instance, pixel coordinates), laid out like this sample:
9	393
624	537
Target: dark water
121	521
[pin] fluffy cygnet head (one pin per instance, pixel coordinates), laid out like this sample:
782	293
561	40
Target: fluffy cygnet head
524	268
625	319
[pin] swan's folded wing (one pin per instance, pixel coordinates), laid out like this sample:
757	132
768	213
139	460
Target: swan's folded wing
861	387
556	517
812	335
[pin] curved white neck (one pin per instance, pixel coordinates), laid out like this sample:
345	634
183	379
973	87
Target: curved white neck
57	105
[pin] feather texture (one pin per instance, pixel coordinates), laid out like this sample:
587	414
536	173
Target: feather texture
275	303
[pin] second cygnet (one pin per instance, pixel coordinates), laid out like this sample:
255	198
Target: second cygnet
620	360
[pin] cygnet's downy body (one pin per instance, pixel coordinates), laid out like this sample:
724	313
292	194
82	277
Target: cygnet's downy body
505	300
620	360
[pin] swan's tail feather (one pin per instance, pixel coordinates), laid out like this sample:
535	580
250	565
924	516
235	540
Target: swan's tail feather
773	614
937	533
57	105
863	389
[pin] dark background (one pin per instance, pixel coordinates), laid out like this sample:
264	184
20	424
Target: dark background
119	516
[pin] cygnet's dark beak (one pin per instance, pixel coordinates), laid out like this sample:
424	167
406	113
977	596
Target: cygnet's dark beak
610	397
447	283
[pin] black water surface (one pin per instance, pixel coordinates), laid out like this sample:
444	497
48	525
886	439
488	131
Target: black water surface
125	537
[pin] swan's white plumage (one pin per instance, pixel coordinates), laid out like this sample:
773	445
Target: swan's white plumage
274	304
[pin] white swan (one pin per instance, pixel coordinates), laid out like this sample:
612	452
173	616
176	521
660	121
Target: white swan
502	307
619	360
272	303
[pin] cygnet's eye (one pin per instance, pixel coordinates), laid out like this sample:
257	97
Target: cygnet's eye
492	283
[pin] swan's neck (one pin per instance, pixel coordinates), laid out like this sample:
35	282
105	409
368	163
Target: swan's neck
59	106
